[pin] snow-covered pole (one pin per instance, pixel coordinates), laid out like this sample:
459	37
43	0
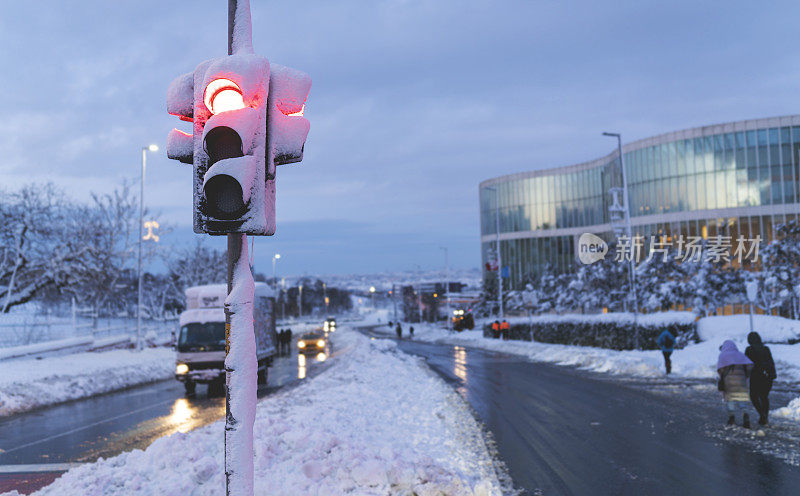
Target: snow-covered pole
240	370
240	346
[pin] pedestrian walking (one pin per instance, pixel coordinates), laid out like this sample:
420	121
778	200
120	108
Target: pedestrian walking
505	329
496	329
734	369
762	377
282	342
411	331
289	341
666	341
399	331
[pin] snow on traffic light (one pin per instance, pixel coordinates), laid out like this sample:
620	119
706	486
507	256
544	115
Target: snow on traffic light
247	118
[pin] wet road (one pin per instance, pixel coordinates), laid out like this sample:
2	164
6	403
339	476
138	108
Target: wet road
106	425
561	431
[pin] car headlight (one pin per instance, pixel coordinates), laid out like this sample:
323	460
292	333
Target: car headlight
181	369
320	343
301	344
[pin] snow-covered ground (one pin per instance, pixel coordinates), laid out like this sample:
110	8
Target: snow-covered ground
29	383
377	422
696	361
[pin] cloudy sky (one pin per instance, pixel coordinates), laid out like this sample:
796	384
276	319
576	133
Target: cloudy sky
414	102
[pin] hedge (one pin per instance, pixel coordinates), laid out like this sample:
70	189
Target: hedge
616	332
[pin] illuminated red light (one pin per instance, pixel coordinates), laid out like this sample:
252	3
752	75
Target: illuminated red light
223	95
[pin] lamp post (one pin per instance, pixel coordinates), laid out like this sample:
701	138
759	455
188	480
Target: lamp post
300	304
275	257
447	287
145	149
628	233
499	256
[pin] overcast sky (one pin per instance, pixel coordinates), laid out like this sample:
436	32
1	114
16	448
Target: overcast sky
413	103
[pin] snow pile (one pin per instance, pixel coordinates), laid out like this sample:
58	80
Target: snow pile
772	329
29	383
790	411
377	422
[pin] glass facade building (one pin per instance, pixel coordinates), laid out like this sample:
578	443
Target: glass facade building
739	178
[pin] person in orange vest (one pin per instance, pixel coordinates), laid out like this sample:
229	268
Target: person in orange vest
505	329
496	329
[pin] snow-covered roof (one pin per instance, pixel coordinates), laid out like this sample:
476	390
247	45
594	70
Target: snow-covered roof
213	295
202	315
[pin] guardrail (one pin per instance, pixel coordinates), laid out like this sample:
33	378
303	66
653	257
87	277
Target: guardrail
44	333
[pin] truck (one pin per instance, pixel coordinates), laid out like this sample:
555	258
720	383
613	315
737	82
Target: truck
200	344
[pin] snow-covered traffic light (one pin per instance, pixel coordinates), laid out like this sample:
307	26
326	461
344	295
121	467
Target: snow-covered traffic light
247	118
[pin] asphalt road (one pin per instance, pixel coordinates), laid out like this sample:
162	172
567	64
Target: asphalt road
44	442
561	431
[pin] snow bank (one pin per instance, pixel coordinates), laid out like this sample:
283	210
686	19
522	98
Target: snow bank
790	411
30	349
649	319
377	422
772	329
29	383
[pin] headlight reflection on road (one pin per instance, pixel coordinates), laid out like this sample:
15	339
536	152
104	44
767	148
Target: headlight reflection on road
181	416
460	363
301	366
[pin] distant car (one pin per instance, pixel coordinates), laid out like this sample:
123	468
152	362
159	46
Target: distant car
312	342
329	325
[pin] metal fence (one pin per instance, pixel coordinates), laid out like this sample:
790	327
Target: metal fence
32	329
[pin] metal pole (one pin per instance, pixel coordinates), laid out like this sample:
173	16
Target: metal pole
139	270
394	302
447	287
629	234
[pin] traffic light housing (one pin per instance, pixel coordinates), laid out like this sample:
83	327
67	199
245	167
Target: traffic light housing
247	118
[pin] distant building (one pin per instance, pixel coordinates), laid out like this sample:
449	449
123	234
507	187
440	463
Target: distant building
739	178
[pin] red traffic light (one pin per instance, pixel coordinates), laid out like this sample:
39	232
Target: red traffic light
222	95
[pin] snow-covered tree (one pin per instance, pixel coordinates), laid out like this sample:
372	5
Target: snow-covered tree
41	243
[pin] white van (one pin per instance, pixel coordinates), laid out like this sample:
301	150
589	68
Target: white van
201	339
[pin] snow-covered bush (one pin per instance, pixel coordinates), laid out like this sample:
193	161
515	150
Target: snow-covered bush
612	331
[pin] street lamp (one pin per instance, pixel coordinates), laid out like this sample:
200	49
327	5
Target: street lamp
628	233
447	287
145	149
499	256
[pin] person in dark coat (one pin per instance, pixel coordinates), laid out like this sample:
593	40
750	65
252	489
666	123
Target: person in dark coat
399	331
282	342
411	331
666	341
762	376
289	341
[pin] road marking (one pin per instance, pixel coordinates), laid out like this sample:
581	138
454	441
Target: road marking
39	467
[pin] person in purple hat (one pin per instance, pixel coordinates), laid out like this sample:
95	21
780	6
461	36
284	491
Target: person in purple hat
734	370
